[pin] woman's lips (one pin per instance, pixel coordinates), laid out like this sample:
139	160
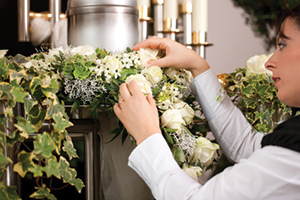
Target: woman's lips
276	80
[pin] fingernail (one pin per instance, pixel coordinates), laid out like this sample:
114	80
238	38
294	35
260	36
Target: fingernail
149	65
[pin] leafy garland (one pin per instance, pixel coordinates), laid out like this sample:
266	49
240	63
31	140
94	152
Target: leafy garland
252	90
261	16
45	82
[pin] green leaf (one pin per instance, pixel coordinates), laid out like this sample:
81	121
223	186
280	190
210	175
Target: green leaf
29	104
25	127
24	164
60	124
178	155
43	192
5	91
3	68
169	138
43	144
37	170
18	92
52	168
69	148
69	175
8	192
4	159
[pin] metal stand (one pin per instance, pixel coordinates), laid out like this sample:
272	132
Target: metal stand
158	12
170	28
144	20
199	43
186	12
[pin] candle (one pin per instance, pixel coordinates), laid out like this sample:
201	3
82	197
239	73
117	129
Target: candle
199	15
171	9
141	3
185	6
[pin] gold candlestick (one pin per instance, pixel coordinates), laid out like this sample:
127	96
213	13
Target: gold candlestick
144	19
199	42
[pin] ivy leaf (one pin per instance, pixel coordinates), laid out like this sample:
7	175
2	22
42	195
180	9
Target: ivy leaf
69	175
37	170
43	192
3	68
43	144
53	109
8	192
60	124
34	84
28	104
4	159
18	92
52	168
262	90
24	164
57	138
69	148
5	90
37	117
25	127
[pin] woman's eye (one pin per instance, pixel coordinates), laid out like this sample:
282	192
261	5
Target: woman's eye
281	45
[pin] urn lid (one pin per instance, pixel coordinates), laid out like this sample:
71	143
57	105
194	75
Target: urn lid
82	3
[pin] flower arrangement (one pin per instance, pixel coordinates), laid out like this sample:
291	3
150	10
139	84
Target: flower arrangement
253	91
45	82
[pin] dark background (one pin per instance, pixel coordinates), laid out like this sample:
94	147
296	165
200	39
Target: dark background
9	25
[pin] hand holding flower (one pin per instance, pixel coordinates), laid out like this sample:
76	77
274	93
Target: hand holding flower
177	55
137	113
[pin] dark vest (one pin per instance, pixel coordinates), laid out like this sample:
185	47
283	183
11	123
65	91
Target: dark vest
286	134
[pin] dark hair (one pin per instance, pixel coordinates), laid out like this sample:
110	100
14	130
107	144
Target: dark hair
293	14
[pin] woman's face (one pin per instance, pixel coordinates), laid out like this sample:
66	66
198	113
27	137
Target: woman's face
285	65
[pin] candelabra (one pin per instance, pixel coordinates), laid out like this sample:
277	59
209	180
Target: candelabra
165	22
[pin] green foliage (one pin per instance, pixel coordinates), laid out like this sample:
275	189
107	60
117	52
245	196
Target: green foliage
38	93
256	97
261	16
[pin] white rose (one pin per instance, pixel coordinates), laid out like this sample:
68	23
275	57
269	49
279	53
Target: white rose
205	151
154	74
187	113
172	73
146	55
256	65
172	119
193	171
142	82
180	75
83	51
2	53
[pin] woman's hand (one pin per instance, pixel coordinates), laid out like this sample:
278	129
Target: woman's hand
138	113
177	55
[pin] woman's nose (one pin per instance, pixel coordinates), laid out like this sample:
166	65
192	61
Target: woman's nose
270	64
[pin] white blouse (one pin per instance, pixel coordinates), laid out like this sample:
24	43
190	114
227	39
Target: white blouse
259	173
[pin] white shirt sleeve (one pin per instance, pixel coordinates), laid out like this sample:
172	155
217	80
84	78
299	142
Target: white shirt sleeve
232	131
260	174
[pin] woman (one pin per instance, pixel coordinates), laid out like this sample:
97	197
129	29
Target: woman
267	165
